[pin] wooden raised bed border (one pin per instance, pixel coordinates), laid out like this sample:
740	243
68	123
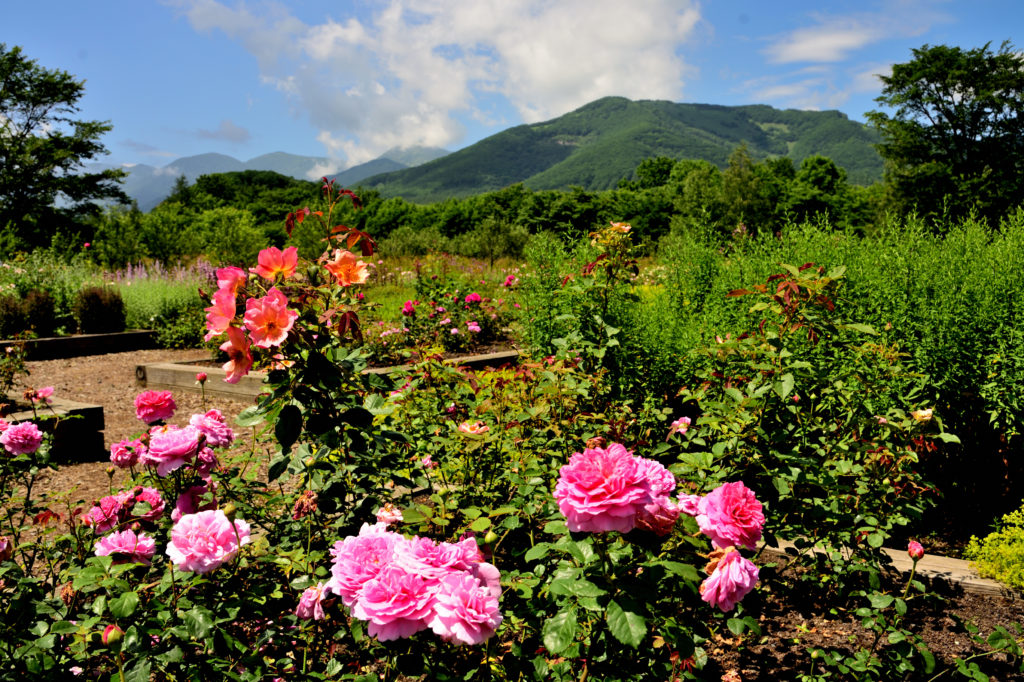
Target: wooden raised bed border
181	376
57	347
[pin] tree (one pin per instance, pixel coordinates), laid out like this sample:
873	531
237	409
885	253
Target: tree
42	148
955	141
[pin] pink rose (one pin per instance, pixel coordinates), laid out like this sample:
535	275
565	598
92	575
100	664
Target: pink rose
473	298
602	489
732	579
22	438
201	377
272	262
358	559
6	548
731	515
126	453
150	497
680	425
125	545
465	610
231	278
509	281
311	603
214	427
190	502
239	355
389	513
171	447
203	541
428	559
220	314
42	395
154	406
915	550
396	603
268	319
409	309
110	512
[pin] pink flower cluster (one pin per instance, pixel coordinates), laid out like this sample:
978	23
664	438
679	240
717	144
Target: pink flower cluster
126	507
401	586
203	541
127	453
610	489
22	438
731	516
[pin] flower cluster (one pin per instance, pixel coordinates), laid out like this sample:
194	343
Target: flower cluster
730	516
401	586
610	489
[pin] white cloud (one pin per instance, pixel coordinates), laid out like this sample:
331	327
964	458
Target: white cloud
226	131
410	72
821	44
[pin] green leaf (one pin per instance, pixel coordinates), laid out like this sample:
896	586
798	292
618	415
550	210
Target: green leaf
124	606
139	672
250	416
881	601
480	525
538	551
784	386
559	630
288	427
358	417
199	622
857	327
929	659
626	626
947	437
585	588
277	466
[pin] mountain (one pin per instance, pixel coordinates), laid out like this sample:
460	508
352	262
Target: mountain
602	142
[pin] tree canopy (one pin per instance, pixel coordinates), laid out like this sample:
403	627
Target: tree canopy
43	191
955	139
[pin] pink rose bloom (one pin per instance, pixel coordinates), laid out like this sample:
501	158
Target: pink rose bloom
470	554
203	541
268	319
358	559
206	462
125	545
732	579
396	603
214	427
465	611
915	550
43	395
473	327
22	438
4	425
126	453
389	513
190	502
690	504
660	513
201	377
272	262
473	298
154	406
311	603
680	425
409	309
110	512
428	463
601	490
152	498
475	428
221	314
231	279
428	559
171	447
6	548
731	515
509	281
239	357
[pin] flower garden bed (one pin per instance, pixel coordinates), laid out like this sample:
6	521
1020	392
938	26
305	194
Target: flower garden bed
56	347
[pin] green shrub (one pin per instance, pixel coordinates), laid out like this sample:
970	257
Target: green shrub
180	326
1000	555
40	310
99	310
13	320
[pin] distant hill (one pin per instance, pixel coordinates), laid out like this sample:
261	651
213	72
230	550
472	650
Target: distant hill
600	143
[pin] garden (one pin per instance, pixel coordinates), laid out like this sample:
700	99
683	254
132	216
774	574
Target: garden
692	472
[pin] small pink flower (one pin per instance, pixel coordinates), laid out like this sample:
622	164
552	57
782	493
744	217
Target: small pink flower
409	309
231	278
203	541
171	447
731	580
454	331
190	502
731	515
154	406
476	428
311	603
273	262
428	463
43	395
110	512
681	425
881	419
268	319
465	611
473	298
509	281
239	356
149	497
214	427
126	545
22	438
201	377
915	550
126	453
220	314
473	327
388	514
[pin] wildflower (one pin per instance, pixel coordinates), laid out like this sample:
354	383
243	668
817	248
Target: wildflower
268	319
239	356
346	268
203	541
22	438
154	406
221	314
915	550
273	262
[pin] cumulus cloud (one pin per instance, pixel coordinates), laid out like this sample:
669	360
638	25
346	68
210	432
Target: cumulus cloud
410	71
226	131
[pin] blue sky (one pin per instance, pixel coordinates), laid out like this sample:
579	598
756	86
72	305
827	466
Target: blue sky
350	79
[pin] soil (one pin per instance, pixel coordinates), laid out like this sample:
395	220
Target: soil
789	627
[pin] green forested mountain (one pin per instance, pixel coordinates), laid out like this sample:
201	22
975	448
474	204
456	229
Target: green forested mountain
603	142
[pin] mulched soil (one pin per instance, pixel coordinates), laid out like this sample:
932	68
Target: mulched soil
790	627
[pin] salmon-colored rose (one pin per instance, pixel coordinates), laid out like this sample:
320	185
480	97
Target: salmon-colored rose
346	268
